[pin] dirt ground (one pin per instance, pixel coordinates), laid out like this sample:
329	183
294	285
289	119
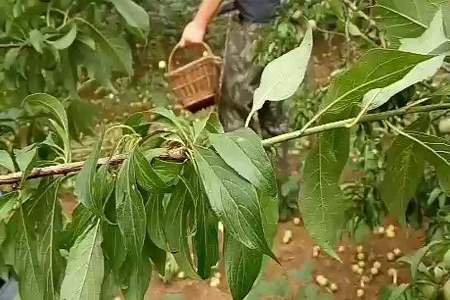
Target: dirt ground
287	280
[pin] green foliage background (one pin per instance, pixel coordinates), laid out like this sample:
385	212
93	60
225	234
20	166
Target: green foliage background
167	180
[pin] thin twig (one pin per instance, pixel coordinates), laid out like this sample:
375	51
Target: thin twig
363	15
363	111
178	154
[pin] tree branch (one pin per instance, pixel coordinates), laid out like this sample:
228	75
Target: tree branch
343	123
70	168
11	45
179	155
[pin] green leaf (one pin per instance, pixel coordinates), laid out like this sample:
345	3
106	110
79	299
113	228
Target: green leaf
51	105
138	275
110	288
85	266
81	220
337	8
32	246
77	111
138	122
168	171
52	144
146	176
157	256
431	40
435	150
321	202
65	138
205	240
206	237
155	220
424	70
95	61
177	228
26	159
26	263
104	187
7	204
118	52
82	116
407	19
85	183
233	199
8	249
3	234
282	77
114	251
353	29
49	214
205	125
243	151
242	267
179	124
446	289
134	14
10	58
378	68
404	172
37	40
131	215
398	292
6	161
213	124
66	40
86	40
416	258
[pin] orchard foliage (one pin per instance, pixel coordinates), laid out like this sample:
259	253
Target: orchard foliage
52	46
369	84
131	216
63	48
170	180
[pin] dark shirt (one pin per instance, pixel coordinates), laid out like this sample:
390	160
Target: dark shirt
257	11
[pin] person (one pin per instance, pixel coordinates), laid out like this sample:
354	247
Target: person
241	74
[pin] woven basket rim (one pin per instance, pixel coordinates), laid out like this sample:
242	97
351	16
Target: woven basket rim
181	69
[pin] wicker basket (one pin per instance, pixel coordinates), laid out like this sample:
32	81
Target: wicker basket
194	78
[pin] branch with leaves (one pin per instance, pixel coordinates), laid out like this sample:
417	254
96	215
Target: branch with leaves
148	206
177	155
138	207
63	39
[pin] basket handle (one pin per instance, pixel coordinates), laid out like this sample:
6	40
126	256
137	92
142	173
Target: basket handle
178	47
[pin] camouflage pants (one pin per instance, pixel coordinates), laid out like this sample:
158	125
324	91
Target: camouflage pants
241	78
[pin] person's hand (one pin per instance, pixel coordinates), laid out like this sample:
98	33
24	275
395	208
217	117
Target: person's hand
193	33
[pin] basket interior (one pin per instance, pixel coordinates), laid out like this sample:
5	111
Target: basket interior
191	53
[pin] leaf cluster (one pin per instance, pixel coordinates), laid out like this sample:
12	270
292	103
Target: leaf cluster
129	218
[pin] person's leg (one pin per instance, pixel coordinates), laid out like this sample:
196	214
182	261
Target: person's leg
273	118
241	76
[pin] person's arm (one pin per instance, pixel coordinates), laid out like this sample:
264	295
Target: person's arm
194	32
